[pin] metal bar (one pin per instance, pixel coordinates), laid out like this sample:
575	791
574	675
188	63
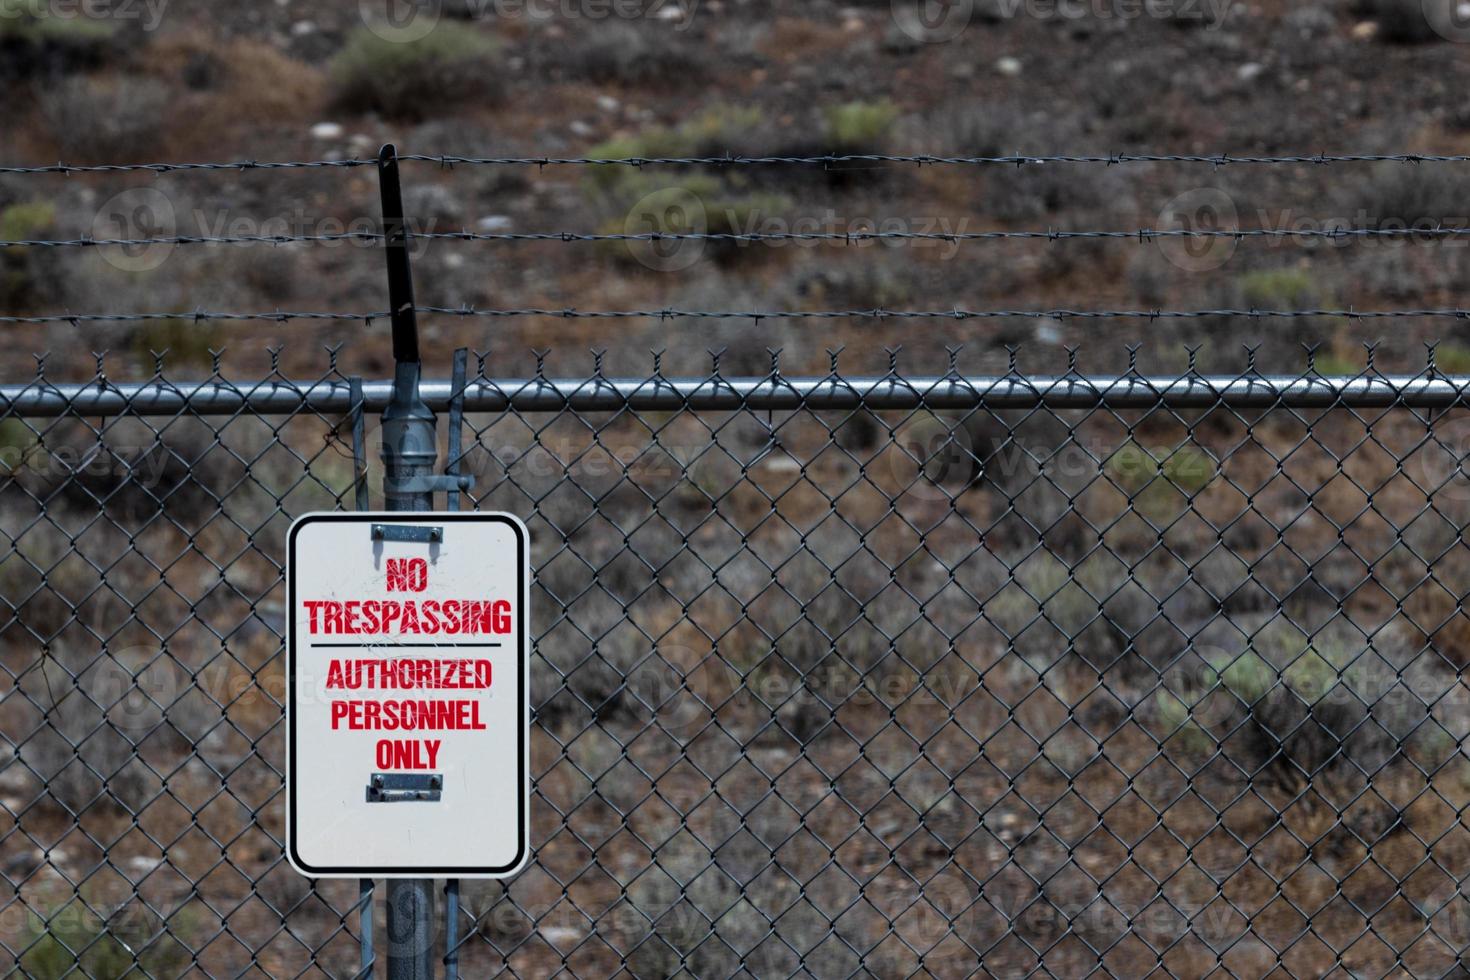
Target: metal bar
400	276
409	453
451	929
410	929
365	918
359	453
456	422
727	394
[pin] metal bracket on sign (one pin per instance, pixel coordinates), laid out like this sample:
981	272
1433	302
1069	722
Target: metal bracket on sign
404	787
419	533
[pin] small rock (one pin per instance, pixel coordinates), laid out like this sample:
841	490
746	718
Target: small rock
1008	66
326	131
580	128
853	25
1249	71
670	12
301	28
494	222
1311	22
143	863
607	103
1365	30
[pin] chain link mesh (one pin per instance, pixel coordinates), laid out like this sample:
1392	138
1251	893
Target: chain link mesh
995	689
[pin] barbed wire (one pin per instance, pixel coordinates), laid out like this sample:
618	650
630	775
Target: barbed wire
1140	235
757	315
449	160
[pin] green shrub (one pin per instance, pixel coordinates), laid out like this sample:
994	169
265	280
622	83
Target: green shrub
1278	289
1333	364
42	44
1452	359
75	942
860	127
646	202
1297	713
27	220
719	201
712	132
412	79
19	222
17	442
1186	468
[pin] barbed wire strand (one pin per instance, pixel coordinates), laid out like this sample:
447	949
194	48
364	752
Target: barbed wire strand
1141	235
731	160
675	314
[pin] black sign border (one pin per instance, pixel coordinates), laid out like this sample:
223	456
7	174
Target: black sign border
522	728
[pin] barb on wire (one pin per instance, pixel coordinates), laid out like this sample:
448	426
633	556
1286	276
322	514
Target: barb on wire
677	314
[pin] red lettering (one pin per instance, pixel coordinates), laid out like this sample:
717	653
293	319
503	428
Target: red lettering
408	574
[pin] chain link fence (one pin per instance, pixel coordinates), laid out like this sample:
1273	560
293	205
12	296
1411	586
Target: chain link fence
832	676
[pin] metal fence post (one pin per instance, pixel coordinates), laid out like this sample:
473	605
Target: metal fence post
408	466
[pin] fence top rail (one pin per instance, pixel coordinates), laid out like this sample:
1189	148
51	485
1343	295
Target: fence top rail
541	394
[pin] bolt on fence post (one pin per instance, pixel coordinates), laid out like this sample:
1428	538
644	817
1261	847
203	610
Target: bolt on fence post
408	463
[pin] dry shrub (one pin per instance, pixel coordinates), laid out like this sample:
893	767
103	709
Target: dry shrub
118	119
413	79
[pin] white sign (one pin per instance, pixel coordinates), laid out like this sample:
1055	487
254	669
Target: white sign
407	710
